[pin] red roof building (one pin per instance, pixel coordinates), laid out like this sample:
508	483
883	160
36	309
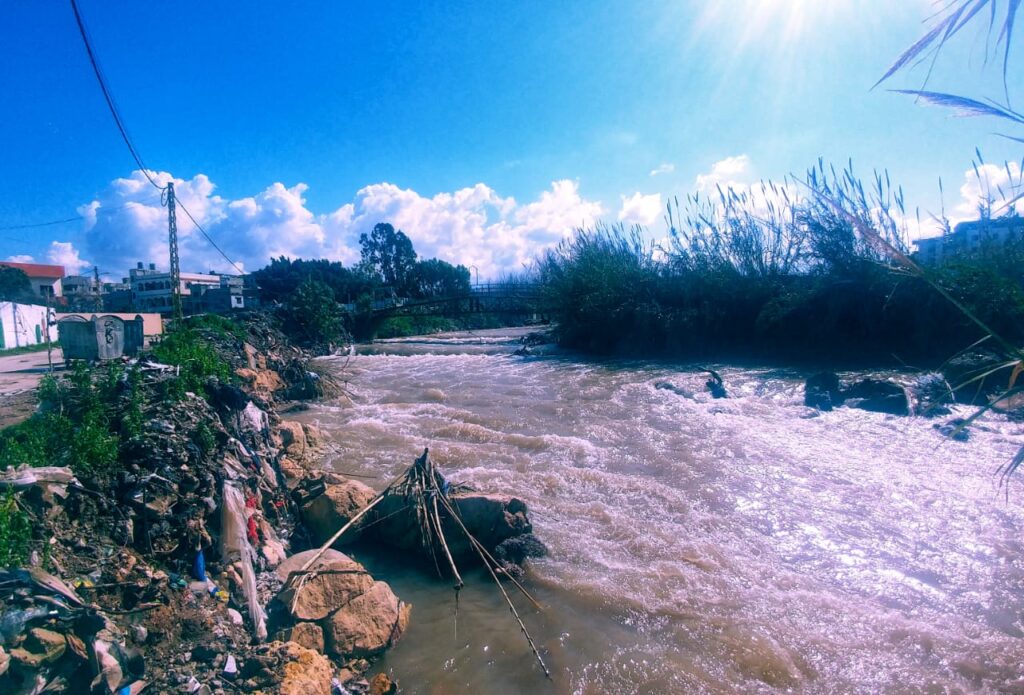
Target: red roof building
45	279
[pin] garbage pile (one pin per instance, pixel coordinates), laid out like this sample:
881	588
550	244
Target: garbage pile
157	574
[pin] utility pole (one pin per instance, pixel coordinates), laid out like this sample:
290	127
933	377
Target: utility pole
97	289
49	347
172	242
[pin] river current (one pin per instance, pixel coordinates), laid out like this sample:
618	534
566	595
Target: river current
696	545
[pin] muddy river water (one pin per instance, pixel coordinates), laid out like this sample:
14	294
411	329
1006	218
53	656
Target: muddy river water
696	545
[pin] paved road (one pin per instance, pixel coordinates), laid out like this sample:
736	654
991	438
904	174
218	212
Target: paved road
20	373
19	376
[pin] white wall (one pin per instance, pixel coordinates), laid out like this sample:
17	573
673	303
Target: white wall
19	322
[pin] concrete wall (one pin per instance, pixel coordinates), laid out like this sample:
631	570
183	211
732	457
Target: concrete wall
25	324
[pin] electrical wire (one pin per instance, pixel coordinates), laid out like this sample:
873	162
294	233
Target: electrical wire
40	224
124	131
213	243
99	211
108	97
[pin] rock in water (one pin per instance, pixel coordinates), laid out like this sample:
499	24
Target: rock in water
490	518
368	624
327	513
822	391
669	386
877	396
964	373
382	685
954	429
340	606
930	395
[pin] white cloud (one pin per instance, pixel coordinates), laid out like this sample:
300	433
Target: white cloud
472	226
988	185
640	209
665	168
65	254
21	258
731	172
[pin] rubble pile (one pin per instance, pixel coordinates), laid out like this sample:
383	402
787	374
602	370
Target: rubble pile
158	574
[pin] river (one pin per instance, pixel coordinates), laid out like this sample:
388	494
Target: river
696	545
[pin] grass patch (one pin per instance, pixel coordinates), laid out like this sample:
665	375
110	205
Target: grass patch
15	532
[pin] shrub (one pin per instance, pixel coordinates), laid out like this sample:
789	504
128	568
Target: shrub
313	317
15	532
197	361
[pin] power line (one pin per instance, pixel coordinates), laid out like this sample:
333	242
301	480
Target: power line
99	211
124	131
40	224
108	97
208	237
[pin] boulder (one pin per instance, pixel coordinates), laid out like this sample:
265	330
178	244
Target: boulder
325	514
490	518
263	381
930	395
308	635
305	671
314	437
822	391
293	472
964	373
877	396
669	386
517	549
382	685
337	579
293	439
368	624
954	429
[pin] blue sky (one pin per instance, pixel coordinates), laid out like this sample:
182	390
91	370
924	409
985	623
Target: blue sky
485	130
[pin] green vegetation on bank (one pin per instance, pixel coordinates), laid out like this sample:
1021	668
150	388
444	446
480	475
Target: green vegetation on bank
778	272
322	302
86	420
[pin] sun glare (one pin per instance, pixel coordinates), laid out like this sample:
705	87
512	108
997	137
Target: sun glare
778	23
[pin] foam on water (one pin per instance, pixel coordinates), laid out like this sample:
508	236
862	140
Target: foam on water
696	545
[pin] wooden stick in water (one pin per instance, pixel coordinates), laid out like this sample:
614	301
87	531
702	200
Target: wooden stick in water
504	593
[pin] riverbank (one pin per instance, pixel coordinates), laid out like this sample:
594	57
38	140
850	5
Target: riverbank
159	515
747	544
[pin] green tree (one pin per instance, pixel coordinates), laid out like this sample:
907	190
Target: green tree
282	277
437	278
14	284
388	255
314	316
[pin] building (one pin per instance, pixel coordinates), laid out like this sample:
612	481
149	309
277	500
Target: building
200	292
46	280
236	293
151	288
26	324
82	291
967	237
